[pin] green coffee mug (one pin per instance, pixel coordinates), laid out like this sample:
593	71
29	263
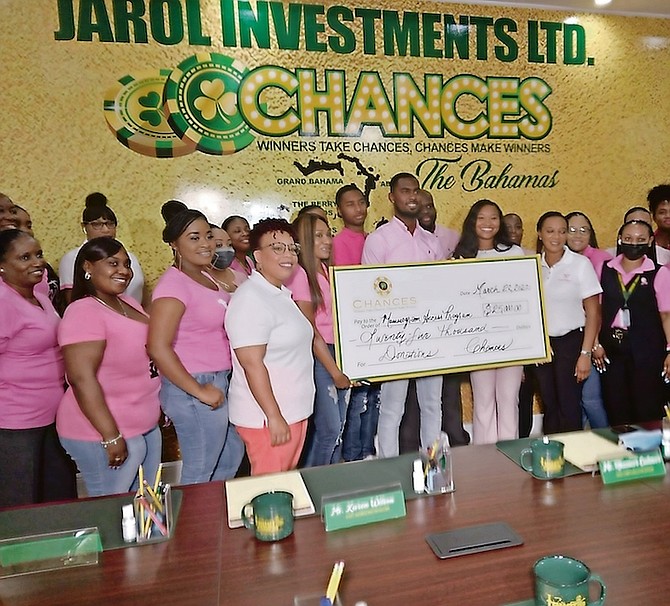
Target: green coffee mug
270	515
547	459
564	581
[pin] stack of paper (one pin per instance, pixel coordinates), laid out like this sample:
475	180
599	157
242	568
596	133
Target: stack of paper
241	491
584	449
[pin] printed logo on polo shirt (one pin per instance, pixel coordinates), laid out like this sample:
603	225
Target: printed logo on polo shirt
383	286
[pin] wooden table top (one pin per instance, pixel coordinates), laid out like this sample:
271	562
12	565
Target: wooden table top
620	531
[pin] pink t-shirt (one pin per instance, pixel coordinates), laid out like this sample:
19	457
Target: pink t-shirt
348	247
127	377
201	342
31	365
245	272
448	239
598	258
393	243
662	289
323	317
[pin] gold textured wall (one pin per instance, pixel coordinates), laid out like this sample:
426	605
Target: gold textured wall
610	138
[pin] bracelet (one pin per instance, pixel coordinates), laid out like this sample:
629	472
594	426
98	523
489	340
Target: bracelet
667	347
106	443
585	352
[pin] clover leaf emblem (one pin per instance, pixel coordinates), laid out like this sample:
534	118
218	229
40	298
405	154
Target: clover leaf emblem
152	115
216	101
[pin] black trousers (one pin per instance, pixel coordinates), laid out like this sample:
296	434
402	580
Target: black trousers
34	468
526	393
633	391
560	391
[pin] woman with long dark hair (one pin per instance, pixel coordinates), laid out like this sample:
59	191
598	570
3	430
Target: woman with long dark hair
495	391
310	286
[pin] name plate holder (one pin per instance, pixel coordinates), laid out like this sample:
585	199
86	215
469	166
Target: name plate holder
49	551
356	508
639	466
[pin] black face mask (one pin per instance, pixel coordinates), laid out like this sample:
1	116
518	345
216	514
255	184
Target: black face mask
223	257
633	252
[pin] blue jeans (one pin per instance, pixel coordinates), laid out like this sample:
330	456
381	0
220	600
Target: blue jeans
361	426
210	447
330	411
593	409
100	479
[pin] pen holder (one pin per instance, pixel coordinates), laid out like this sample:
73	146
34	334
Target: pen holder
154	517
438	467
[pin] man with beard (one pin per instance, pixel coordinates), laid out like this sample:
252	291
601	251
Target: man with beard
403	240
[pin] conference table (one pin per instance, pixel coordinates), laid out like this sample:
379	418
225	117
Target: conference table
621	531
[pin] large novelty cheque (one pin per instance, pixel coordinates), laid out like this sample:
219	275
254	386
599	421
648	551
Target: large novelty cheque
413	320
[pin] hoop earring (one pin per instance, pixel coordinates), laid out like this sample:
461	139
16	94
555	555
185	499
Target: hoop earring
87	275
177	258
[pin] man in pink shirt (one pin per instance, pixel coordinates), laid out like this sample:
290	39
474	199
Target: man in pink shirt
452	408
352	206
427	219
403	240
358	441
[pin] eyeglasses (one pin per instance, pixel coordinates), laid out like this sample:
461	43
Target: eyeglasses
280	248
100	225
579	230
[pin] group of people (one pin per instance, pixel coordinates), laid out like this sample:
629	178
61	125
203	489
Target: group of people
236	343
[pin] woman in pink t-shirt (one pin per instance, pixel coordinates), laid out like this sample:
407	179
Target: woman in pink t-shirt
33	466
108	417
188	342
238	230
310	286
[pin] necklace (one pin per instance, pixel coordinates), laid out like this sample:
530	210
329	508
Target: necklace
121	308
227	287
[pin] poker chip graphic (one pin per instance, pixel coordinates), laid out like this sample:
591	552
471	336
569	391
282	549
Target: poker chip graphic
133	111
200	101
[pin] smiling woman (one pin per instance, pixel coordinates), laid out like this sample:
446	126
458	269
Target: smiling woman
33	466
189	345
108	417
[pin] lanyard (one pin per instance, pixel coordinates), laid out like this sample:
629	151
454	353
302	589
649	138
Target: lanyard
626	292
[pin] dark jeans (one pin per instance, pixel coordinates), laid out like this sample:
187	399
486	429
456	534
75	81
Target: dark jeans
34	468
361	426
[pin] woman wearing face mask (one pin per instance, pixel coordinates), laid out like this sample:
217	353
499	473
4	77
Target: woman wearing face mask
582	240
632	335
495	391
572	309
223	256
189	345
310	286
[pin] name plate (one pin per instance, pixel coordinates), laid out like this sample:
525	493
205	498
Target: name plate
643	465
355	509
